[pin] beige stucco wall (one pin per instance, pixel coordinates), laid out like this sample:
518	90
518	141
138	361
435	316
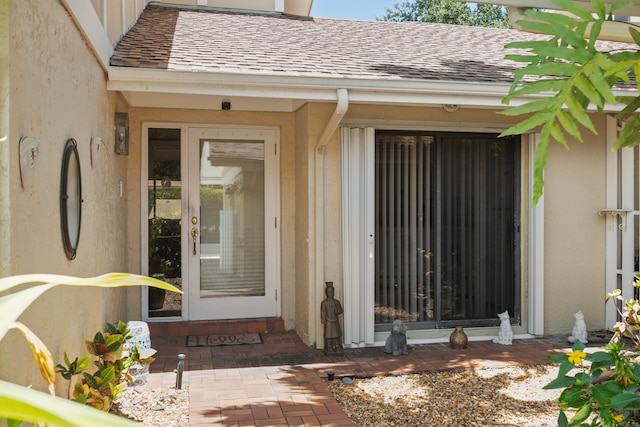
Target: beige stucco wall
58	91
304	271
5	206
574	233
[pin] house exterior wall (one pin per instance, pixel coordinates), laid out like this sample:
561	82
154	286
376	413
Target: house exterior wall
304	271
574	233
58	91
5	206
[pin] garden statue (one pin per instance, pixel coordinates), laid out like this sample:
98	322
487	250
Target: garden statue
330	310
396	343
458	339
579	332
506	334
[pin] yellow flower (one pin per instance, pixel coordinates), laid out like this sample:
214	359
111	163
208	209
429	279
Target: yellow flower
618	418
577	356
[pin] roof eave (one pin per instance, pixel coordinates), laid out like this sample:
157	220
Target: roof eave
307	88
293	90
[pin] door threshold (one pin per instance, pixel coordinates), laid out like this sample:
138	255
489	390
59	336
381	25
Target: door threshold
206	327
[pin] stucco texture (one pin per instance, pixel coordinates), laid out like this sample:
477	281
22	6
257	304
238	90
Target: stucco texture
58	91
574	234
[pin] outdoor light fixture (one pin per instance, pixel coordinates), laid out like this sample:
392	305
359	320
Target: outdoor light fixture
450	108
122	134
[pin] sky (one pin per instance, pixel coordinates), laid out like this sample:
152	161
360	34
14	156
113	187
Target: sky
366	10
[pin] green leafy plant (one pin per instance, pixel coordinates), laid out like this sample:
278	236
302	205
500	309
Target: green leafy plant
566	74
603	387
24	404
113	364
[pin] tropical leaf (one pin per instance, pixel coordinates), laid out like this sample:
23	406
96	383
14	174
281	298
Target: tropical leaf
558	135
628	137
574	8
578	112
582	414
569	54
633	104
21	403
583	85
596	27
628	401
525	125
531	107
42	355
621	5
13	305
540	160
560	382
599	83
540	86
569	124
635	34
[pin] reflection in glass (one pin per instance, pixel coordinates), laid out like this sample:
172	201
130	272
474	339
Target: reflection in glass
232	218
165	213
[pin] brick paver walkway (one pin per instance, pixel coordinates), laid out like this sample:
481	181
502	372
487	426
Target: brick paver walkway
281	382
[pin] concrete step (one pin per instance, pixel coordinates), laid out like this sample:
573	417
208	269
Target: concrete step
207	327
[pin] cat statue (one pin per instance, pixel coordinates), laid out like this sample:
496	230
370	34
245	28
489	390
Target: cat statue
579	332
505	336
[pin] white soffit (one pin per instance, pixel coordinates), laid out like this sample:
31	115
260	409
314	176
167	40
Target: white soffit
262	92
160	88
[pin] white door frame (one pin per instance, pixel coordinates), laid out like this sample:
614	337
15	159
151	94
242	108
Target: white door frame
272	206
356	139
620	219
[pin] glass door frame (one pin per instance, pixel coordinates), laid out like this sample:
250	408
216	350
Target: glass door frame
230	307
273	275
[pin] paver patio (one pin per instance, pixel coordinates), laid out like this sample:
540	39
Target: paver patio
281	382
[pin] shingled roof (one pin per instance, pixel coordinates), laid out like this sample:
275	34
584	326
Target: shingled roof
207	40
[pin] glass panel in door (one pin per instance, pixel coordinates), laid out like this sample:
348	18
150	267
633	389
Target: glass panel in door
233	202
164	220
232	219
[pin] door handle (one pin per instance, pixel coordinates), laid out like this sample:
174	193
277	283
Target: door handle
194	234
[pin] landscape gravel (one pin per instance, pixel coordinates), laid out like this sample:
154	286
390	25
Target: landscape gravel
505	396
500	396
154	407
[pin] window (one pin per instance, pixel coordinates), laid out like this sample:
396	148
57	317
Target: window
447	221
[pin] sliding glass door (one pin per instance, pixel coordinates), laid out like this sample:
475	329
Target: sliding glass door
447	225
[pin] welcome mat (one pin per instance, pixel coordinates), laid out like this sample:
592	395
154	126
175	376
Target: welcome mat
223	339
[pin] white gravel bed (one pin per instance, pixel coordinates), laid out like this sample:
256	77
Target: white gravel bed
159	407
508	396
504	396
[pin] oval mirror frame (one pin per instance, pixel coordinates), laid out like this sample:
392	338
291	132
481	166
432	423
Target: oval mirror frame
70	198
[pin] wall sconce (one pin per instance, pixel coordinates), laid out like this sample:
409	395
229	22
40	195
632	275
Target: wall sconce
122	134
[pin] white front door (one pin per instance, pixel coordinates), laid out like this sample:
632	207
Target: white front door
232	223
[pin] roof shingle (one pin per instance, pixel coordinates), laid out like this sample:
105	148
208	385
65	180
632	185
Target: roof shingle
209	40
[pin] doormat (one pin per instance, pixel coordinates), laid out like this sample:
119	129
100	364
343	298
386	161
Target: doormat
223	339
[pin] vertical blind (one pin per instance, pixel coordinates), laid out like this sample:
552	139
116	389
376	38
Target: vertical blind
447	216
